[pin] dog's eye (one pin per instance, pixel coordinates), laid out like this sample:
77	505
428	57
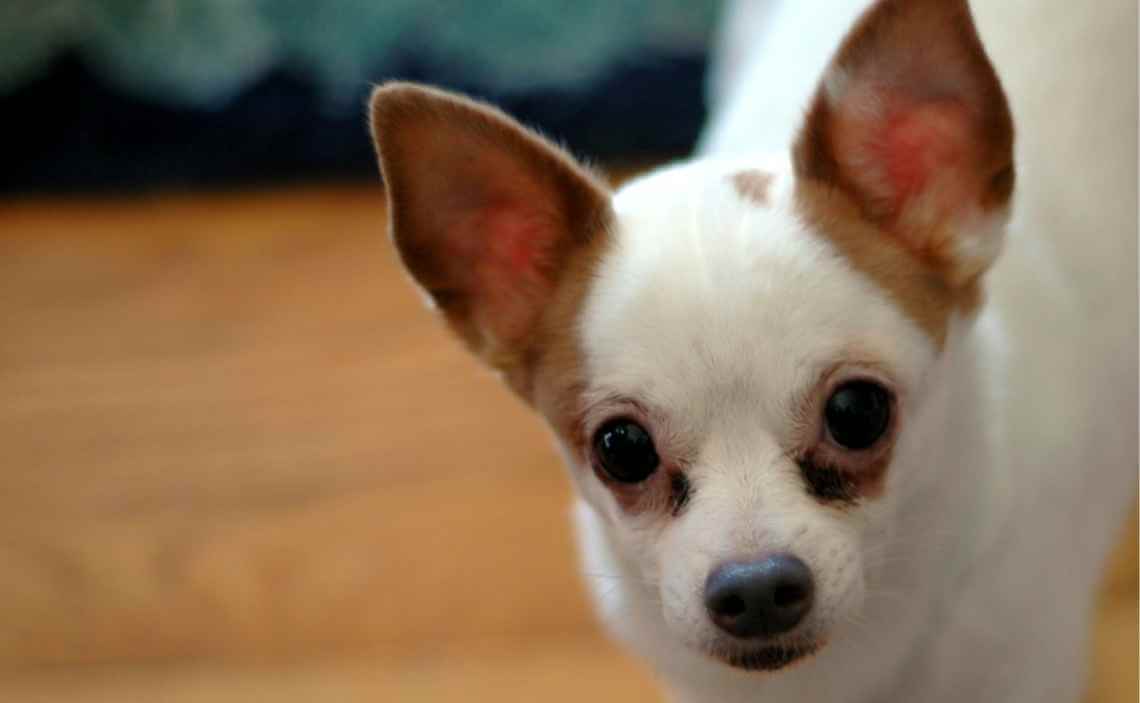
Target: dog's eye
626	451
858	414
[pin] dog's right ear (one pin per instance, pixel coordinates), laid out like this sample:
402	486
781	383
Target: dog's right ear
484	213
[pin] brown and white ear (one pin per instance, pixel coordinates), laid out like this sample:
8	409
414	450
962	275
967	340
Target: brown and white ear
911	122
484	212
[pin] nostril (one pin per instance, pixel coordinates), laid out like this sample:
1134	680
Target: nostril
731	606
789	594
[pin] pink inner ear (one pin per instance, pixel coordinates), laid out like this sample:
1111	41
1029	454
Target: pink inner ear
507	245
514	246
912	151
503	241
921	142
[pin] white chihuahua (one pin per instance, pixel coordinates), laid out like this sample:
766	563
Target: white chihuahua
816	432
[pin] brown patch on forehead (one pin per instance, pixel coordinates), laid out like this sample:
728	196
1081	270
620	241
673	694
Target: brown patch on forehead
754	185
918	286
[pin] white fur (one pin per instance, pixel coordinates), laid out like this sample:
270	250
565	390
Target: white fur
971	578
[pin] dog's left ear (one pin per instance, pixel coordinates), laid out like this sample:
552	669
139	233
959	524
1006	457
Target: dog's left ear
911	123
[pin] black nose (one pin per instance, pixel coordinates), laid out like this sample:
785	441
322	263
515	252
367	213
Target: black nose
759	598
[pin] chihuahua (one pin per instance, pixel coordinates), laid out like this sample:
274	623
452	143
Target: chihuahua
828	446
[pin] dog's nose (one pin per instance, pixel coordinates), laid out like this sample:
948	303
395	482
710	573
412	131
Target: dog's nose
759	598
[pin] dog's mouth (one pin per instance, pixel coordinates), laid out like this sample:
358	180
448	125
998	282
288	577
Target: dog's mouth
766	658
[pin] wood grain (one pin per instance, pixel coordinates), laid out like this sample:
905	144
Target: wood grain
241	462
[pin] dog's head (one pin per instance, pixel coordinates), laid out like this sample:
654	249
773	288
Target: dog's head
732	354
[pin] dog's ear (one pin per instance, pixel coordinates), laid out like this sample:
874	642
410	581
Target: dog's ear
484	213
911	123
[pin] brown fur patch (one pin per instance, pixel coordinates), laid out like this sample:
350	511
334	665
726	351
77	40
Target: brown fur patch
918	287
560	383
557	357
753	185
840	488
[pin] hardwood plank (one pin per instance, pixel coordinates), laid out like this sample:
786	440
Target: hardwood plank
558	672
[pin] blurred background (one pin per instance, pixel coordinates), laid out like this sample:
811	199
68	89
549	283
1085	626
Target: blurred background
143	94
237	458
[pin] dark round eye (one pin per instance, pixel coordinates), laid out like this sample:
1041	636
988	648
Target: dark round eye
858	414
626	451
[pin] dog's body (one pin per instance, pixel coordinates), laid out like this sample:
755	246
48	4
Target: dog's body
715	310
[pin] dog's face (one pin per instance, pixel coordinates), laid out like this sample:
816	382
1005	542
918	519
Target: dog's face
744	387
731	354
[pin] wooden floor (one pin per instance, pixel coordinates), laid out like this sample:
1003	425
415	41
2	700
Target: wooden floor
239	462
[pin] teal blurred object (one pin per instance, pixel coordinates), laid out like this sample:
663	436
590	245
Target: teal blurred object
201	53
125	95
